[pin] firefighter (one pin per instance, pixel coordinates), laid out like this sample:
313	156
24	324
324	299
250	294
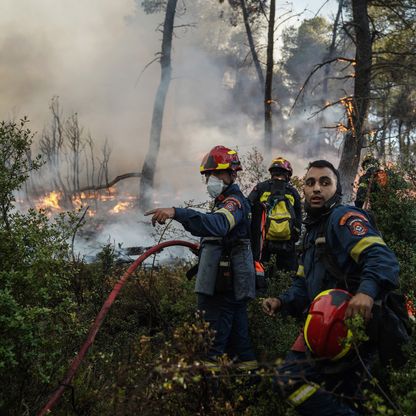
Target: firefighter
276	237
371	181
341	249
225	279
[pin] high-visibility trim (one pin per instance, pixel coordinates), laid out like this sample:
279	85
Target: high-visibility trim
258	267
302	394
301	271
305	331
363	244
264	196
211	366
219	239
320	240
228	215
290	198
248	365
309	317
346	348
222	166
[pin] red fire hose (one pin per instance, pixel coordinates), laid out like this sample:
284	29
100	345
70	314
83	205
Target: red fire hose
101	315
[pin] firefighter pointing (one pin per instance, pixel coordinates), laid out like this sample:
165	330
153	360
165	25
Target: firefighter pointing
225	278
345	268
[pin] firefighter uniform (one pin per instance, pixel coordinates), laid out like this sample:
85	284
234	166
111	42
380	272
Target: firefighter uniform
285	251
225	279
359	250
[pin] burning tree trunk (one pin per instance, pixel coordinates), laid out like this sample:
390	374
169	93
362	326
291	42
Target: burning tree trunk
357	106
268	122
149	165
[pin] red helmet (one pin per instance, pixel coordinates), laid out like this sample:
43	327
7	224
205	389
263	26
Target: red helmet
325	331
281	163
220	158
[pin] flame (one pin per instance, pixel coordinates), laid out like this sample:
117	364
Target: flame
50	201
121	206
77	202
342	128
349	108
91	212
97	203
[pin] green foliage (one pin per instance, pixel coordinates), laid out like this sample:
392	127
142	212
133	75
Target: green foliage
305	47
15	162
147	357
394	207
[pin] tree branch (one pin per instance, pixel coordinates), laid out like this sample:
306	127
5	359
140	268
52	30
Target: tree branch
112	183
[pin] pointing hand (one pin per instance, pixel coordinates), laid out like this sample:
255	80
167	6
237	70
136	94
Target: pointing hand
160	215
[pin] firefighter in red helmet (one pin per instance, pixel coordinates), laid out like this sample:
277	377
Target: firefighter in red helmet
225	278
342	249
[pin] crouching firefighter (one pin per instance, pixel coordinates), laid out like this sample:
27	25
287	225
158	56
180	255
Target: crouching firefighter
225	279
342	250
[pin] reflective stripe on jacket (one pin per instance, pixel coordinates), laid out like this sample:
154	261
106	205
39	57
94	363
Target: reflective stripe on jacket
358	249
228	225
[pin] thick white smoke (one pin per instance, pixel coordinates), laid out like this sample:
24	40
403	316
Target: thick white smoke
91	54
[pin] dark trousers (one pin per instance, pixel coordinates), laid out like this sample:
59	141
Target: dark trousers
286	257
228	318
314	392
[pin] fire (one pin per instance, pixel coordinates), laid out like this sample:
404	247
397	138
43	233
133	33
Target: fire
349	108
50	201
342	128
121	206
77	202
95	203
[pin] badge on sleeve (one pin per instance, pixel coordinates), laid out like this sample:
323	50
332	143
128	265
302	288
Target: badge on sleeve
357	226
231	204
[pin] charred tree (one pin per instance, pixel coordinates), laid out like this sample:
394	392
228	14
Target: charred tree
357	105
268	122
149	165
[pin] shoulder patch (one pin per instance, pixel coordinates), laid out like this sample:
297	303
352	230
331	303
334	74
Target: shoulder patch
352	214
231	204
357	226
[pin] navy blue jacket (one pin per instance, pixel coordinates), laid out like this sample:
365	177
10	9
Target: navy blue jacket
226	227
230	217
357	248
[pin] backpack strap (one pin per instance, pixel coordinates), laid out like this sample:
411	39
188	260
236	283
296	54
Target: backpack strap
273	199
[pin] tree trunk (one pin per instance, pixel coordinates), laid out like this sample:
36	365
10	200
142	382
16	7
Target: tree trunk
331	52
149	165
357	107
401	141
268	122
251	44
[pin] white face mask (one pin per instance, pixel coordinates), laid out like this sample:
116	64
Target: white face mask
215	186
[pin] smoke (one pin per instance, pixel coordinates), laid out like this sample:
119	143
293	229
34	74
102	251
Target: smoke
91	55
